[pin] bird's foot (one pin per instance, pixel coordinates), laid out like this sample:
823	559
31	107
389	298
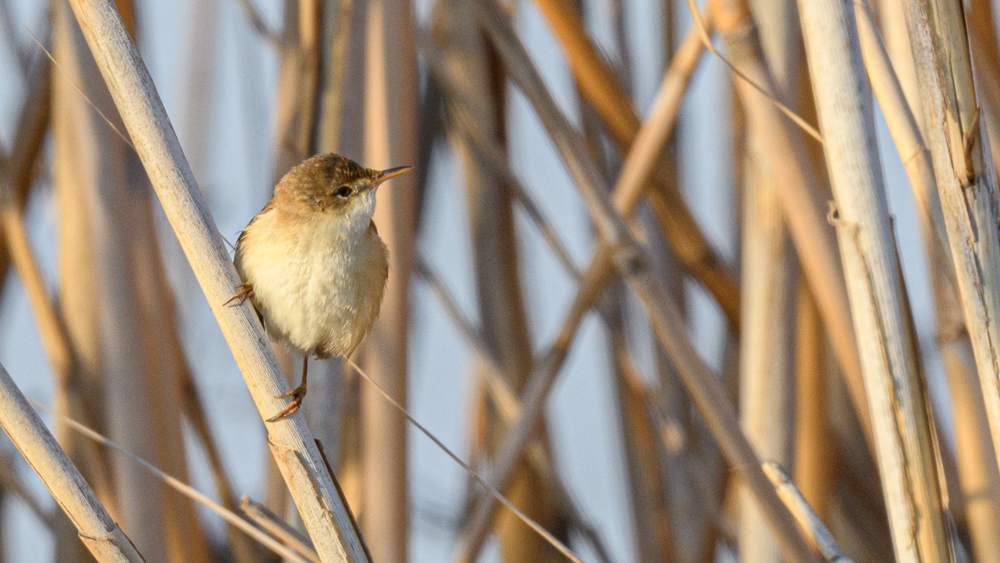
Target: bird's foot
297	395
244	292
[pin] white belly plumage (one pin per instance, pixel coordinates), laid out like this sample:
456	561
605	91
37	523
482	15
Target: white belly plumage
307	288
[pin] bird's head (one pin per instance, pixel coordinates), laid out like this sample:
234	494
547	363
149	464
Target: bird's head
333	186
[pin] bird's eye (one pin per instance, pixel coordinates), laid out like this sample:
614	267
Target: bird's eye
343	191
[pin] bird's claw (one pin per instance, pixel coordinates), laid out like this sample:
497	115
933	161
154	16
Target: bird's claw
244	292
297	395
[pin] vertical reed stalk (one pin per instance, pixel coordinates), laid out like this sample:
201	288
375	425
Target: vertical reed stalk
75	153
505	327
801	196
765	355
104	175
390	140
893	379
653	530
966	181
977	472
814	462
766	383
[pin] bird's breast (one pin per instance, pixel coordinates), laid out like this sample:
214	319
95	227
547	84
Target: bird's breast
317	287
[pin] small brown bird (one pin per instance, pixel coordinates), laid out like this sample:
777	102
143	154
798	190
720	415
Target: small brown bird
312	262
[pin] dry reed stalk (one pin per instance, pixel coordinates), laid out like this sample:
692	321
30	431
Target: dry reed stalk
178	485
275	526
107	172
897	45
902	126
806	517
166	368
651	520
977	473
690	519
391	91
966	181
801	196
311	485
95	527
983	42
348	456
767	284
603	91
631	263
504	325
31	126
84	400
298	83
893	379
814	465
765	354
333	65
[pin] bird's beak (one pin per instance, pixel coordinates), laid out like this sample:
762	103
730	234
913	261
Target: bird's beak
390	173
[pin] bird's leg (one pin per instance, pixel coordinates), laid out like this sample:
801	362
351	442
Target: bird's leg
297	394
245	291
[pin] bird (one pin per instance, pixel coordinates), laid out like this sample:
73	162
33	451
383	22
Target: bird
312	263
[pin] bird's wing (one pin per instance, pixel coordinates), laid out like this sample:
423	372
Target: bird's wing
243	233
236	258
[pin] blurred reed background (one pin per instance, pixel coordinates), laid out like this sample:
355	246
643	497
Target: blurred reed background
679	288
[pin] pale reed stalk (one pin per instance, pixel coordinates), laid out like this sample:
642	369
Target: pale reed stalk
97	530
325	515
768	284
966	182
391	91
977	473
894	382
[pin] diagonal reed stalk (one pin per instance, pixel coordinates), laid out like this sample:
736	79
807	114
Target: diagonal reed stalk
819	536
325	516
99	533
181	487
601	88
